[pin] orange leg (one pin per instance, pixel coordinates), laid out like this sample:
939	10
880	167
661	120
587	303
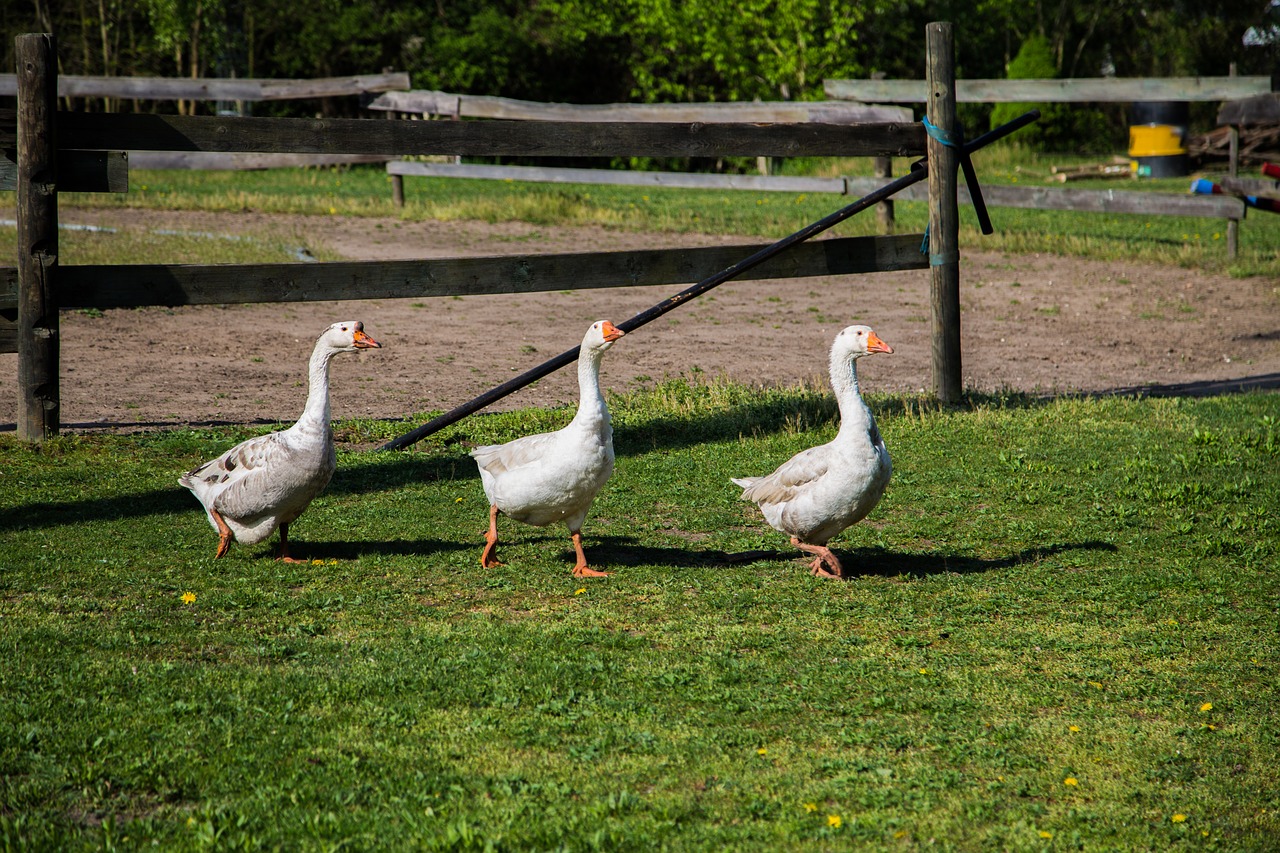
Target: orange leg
283	554
224	534
487	558
826	565
581	570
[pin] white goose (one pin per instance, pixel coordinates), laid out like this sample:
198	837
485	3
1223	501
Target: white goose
554	476
820	491
266	482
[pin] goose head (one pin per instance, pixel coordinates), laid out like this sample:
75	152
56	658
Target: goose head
347	336
855	342
601	336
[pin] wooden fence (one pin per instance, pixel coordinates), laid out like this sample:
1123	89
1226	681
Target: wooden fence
854	101
50	144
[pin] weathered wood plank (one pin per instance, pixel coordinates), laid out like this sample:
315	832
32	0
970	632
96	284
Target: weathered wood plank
216	88
1069	90
616	177
1257	187
1260	109
428	102
78	171
216	161
136	132
1088	201
131	286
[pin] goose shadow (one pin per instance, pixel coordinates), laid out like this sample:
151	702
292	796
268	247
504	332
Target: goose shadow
303	548
624	551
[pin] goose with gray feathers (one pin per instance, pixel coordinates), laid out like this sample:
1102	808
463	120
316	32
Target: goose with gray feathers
265	483
820	491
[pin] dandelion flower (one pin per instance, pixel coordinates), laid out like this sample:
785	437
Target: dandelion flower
1207	706
1073	728
1044	834
924	671
811	807
1070	780
834	821
457	500
762	751
188	598
580	591
1097	684
1178	818
317	562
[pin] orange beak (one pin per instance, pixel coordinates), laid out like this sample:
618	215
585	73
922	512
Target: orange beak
363	341
874	344
611	332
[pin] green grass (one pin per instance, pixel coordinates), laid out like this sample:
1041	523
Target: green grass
1077	590
365	191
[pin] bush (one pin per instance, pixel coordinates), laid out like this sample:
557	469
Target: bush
1062	127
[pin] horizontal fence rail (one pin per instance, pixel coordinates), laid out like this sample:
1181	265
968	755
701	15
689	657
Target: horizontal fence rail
215	88
137	132
1069	90
133	286
429	102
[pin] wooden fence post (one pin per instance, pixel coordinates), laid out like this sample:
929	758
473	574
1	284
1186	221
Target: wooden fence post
37	209
944	213
1233	163
883	168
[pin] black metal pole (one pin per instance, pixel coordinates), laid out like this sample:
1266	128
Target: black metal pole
919	171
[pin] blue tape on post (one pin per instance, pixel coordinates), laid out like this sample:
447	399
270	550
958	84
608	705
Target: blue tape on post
946	137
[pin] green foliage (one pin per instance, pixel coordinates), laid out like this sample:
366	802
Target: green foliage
1059	632
1061	127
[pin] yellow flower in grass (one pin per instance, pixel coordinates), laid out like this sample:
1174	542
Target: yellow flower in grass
762	751
1073	728
811	807
1044	834
1178	818
834	821
580	591
1207	706
317	562
188	598
1071	780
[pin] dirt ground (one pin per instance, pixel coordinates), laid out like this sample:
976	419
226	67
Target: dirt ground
1033	323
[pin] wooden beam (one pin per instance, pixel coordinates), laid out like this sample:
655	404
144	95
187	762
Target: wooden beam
78	171
133	286
1260	109
1085	201
37	208
617	177
1070	90
216	89
944	213
139	132
216	161
427	102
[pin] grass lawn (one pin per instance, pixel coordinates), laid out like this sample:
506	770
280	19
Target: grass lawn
1060	632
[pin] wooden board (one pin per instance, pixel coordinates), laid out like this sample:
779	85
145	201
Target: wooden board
1090	201
428	102
1070	90
131	286
216	161
617	177
137	132
1260	109
215	88
78	171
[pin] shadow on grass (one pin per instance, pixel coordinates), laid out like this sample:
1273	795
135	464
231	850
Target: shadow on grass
302	548
858	563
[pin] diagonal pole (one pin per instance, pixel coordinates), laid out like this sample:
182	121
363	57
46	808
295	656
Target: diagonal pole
919	171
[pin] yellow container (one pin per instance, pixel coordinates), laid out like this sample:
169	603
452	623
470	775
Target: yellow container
1156	140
